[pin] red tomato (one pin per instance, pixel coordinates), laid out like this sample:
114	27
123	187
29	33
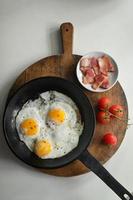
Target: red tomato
103	117
104	103
109	138
116	110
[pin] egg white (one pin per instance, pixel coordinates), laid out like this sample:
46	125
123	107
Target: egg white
25	113
64	137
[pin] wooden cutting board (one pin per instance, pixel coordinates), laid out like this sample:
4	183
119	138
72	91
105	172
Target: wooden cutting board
64	66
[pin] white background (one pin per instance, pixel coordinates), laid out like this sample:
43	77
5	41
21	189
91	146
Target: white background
28	32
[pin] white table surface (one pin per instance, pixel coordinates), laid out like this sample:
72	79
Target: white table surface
28	32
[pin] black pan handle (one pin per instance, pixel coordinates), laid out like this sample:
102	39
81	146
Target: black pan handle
89	161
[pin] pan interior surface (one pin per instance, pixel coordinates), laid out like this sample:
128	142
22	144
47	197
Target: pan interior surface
31	91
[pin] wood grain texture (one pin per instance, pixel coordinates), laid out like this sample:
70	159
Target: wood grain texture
64	66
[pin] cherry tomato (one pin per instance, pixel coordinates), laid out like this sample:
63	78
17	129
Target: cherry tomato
103	117
104	103
109	138
116	110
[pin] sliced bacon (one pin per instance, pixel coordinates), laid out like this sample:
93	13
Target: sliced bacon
85	62
94	64
95	71
111	67
105	83
87	79
84	70
103	65
84	80
90	72
99	79
87	70
106	63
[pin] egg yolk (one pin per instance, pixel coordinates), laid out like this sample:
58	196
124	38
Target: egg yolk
29	127
57	115
42	148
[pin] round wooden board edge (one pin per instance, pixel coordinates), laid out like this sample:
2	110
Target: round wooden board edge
60	172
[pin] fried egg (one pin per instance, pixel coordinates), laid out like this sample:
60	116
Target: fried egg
50	125
56	115
42	148
28	125
61	114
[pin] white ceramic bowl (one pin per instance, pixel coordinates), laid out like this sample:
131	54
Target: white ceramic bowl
113	76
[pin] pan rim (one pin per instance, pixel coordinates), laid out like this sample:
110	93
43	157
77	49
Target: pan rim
67	161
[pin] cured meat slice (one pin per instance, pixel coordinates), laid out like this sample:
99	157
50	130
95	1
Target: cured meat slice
109	63
105	84
95	71
103	65
84	70
99	79
85	62
90	72
87	79
106	64
94	64
111	67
